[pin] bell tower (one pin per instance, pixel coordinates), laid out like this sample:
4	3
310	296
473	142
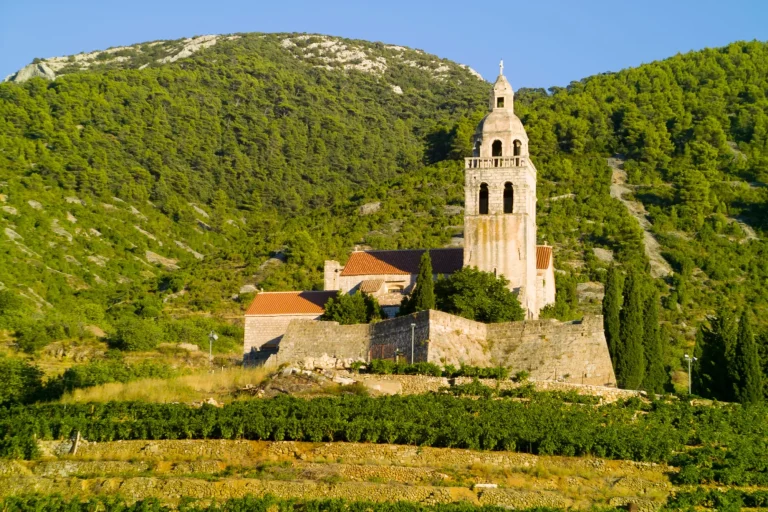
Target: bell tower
500	199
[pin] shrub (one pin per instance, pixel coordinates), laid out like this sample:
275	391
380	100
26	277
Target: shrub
134	335
359	308
479	296
21	381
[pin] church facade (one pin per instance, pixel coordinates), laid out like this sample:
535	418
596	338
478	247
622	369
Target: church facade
499	236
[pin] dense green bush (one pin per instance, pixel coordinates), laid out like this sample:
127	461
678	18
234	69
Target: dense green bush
479	296
359	308
541	425
387	367
21	381
134	334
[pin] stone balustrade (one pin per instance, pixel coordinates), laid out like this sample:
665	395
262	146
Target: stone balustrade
495	161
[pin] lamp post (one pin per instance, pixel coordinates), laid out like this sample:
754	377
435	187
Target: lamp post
212	336
690	362
413	336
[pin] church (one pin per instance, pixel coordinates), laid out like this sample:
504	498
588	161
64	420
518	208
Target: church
499	237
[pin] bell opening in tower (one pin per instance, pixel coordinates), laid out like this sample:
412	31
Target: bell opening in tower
496	148
500	102
509	197
483	203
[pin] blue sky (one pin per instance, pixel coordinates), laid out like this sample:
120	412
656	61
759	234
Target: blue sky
542	43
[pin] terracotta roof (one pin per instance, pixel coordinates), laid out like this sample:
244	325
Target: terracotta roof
364	263
289	303
543	257
371	285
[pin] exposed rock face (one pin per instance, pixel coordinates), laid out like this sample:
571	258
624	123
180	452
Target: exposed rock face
41	69
168	263
369	208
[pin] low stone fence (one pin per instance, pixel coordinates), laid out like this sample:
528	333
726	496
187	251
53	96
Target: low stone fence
419	384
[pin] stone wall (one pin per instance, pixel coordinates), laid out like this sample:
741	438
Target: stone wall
395	334
309	339
456	340
548	350
551	350
420	384
263	329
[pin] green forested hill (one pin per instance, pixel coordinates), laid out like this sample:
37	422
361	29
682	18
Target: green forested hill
248	163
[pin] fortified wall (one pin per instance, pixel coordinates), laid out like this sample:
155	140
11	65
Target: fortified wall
547	349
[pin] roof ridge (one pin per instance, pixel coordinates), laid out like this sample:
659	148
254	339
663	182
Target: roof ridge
298	291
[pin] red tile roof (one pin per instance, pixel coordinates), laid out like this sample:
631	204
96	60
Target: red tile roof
371	285
289	303
364	263
543	257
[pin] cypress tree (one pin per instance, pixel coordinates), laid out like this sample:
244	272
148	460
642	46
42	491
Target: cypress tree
423	296
630	362
749	386
611	311
715	371
653	347
762	351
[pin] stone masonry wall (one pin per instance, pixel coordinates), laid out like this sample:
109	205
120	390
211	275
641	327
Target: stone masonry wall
574	352
304	339
395	334
456	340
551	350
262	329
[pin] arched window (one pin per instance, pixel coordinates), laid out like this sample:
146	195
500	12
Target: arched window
483	206
517	145
509	197
496	148
478	143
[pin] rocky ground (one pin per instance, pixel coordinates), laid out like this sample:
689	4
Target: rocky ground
219	469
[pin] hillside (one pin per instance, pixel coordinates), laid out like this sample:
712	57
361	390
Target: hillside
159	182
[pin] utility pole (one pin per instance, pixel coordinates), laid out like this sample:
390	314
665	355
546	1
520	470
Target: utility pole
413	336
690	361
212	336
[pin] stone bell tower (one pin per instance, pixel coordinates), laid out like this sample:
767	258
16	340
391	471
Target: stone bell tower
500	199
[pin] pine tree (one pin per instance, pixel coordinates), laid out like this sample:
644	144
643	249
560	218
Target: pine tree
611	310
653	347
630	362
749	386
423	296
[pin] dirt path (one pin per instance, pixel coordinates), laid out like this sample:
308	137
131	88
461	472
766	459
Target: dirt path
659	266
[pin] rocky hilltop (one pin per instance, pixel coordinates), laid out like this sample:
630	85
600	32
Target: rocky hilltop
324	51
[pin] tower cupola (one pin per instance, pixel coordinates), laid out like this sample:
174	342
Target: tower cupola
502	95
501	133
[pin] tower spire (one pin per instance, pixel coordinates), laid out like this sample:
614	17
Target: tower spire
501	67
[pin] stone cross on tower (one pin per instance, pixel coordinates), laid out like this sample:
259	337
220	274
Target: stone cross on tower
501	67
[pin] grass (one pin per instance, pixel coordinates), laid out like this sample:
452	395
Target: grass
221	385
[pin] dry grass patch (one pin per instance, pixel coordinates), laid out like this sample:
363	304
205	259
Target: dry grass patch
221	385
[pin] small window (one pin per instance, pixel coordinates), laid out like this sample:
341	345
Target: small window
483	199
478	143
517	145
395	288
500	102
509	197
496	148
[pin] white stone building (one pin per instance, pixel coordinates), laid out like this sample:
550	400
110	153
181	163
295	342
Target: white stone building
499	234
